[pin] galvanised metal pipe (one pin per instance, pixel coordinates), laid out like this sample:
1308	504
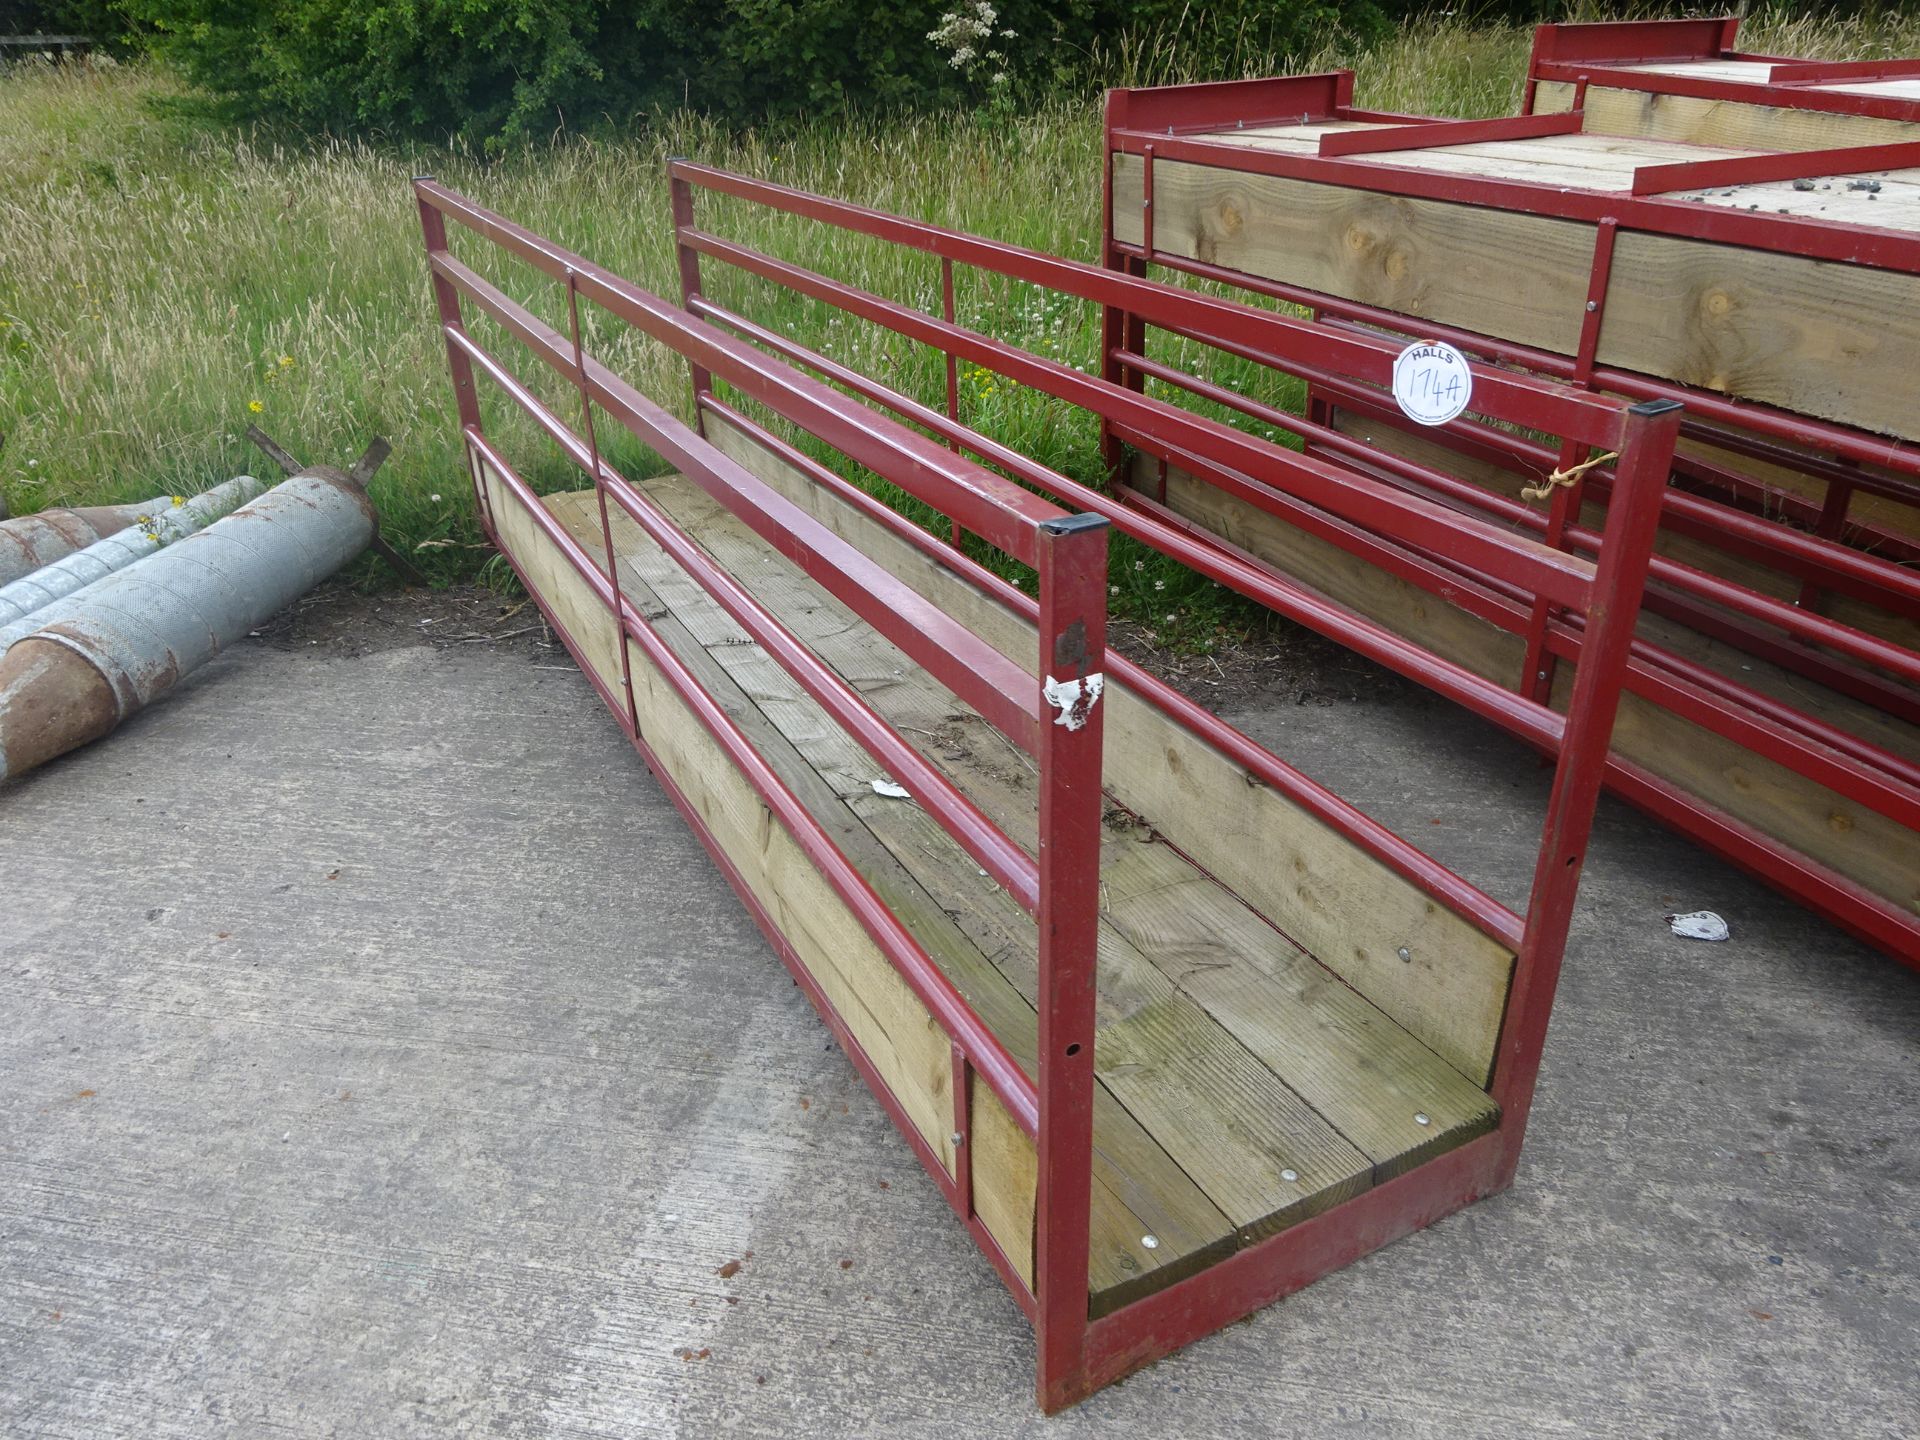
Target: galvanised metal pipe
30	541
123	642
24	598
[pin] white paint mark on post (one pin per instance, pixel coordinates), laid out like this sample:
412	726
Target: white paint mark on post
1074	699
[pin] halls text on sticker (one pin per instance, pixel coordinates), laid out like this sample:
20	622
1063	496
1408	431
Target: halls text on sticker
1432	383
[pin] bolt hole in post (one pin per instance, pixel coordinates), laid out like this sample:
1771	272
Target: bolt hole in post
1072	1050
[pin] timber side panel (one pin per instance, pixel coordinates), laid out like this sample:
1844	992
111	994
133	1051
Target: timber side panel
1837	341
1689	120
1873	851
1137	1189
1521	277
1337	903
1879	854
1221	1116
1433	623
1208	1094
1865	508
588	623
898	1035
1834	341
1854	716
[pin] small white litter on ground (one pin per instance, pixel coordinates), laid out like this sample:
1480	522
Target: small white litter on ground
1699	925
893	790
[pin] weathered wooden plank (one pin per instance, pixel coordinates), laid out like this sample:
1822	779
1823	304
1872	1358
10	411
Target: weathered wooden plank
1442	627
1808	816
1879	854
1741	569
898	1035
1838	341
1521	277
1348	910
1383	1089
1738	126
1825	339
1138	1190
591	625
1222	1115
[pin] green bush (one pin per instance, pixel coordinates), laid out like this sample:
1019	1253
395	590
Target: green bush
502	70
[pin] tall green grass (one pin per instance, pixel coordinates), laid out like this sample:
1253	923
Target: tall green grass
165	279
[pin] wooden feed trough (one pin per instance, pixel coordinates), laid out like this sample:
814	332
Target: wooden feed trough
1773	701
1684	80
942	799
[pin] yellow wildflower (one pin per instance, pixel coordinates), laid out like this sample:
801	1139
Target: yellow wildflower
286	362
255	406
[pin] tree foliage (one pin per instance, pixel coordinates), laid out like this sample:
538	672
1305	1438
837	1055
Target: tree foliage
510	69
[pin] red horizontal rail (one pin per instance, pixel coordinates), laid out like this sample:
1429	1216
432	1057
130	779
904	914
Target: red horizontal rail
1875	778
1002	692
1739	92
1885	784
1472	904
1773	166
1590	419
1251	578
1809	628
1835	566
1005	861
1806	235
1707	420
1780	425
1455	586
929	985
1833	72
1563	579
1809	462
991	506
1818	629
1439	134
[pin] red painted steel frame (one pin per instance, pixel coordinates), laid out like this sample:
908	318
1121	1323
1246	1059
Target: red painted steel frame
1834	567
1870	776
1137	118
1074	1355
1609	596
1069	553
1603	53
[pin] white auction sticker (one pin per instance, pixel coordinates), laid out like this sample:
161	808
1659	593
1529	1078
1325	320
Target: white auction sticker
1431	382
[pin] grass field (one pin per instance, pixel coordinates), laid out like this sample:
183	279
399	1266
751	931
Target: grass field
167	278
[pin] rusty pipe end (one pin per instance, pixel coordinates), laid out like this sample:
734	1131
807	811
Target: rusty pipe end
346	485
52	700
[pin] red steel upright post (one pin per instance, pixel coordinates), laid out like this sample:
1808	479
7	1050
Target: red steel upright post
599	483
1120	329
446	299
1073	646
689	258
1633	517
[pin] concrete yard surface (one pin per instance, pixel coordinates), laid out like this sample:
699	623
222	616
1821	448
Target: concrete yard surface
383	1056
